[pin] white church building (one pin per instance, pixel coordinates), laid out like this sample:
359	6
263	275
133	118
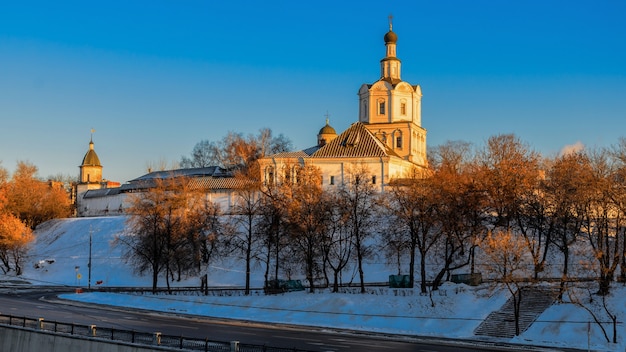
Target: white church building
388	138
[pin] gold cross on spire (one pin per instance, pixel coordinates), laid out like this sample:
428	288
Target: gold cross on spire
390	22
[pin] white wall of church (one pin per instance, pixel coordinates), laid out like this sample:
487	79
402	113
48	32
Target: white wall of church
117	204
224	199
101	206
380	171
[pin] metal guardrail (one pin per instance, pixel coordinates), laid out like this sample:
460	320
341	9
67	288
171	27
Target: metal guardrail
139	338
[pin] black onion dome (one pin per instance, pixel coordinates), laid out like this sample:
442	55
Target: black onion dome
391	37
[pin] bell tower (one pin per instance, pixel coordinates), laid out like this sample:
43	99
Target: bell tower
391	108
91	169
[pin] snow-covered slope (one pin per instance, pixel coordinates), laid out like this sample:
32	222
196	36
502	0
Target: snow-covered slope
61	253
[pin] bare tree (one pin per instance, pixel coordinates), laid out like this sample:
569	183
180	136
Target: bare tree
156	228
308	215
564	197
204	154
460	207
359	200
338	243
161	165
413	209
507	261
271	227
618	155
240	154
15	237
245	213
4	188
603	222
236	151
509	168
575	293
534	221
34	201
208	236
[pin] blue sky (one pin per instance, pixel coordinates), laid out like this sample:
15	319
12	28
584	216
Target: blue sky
153	78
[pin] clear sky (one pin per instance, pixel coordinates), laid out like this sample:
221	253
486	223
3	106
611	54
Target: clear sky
153	78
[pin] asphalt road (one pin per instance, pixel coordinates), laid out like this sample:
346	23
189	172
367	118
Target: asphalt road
45	305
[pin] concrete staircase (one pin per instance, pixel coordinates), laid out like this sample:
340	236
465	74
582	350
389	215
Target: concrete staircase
501	323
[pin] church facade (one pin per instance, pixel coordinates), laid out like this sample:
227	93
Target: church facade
388	139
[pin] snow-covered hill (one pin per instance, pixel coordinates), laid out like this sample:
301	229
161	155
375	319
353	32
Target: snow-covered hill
61	253
60	256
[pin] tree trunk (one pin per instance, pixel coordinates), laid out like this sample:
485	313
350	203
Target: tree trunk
423	287
155	278
605	284
359	256
204	284
248	255
565	273
248	258
325	271
472	259
517	300
412	263
309	265
277	253
439	277
622	265
167	280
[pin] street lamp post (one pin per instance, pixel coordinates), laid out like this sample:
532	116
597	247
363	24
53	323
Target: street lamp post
89	264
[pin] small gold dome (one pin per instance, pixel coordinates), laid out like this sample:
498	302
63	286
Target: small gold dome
91	158
327	130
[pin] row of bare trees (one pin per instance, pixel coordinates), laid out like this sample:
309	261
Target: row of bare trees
174	231
25	202
468	207
553	205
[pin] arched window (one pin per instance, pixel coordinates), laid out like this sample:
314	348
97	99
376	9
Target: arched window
403	107
364	112
269	175
286	174
381	107
297	173
398	139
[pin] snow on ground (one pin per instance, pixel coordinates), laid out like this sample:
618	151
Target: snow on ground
61	254
383	310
